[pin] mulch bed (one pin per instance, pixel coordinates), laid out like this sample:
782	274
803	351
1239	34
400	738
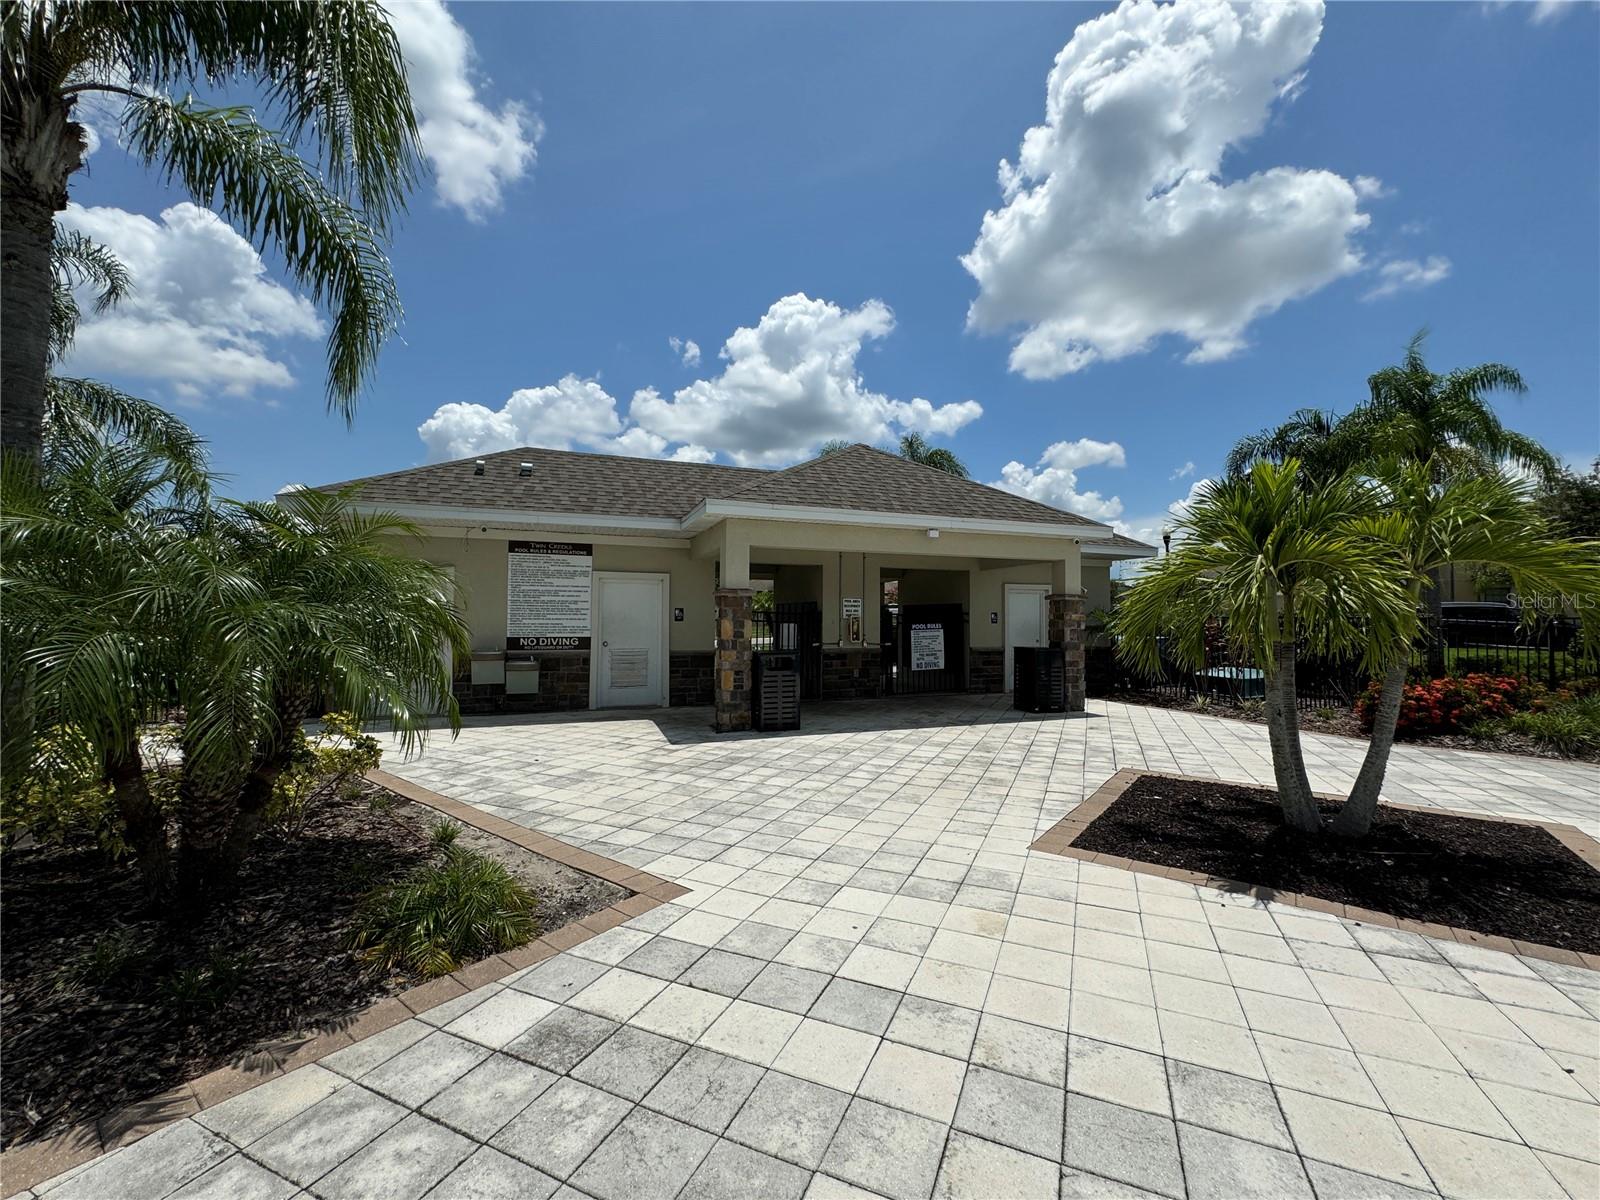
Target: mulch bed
1514	881
94	988
1343	722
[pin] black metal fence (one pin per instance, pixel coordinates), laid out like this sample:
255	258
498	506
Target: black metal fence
924	649
792	628
1550	652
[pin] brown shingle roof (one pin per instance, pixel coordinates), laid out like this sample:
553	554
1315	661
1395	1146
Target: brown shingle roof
859	478
872	480
1124	542
562	481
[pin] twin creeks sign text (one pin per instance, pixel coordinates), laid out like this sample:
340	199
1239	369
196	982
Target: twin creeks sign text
547	595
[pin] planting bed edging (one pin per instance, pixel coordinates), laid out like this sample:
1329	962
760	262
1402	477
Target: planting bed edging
1059	837
23	1166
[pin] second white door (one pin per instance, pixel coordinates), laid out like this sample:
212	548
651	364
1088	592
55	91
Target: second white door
630	660
1025	620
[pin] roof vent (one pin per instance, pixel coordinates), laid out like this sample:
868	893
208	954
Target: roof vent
525	469
477	467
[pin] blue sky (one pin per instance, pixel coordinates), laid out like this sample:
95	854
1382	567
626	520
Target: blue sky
1285	195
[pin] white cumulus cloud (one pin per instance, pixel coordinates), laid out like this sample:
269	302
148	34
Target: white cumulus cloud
1183	472
686	350
791	383
203	316
1409	275
476	151
1054	478
568	414
1118	226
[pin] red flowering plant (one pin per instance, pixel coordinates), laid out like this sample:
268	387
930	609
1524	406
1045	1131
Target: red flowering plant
1451	704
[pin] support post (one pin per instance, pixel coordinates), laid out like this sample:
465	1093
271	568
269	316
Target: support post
1067	611
732	667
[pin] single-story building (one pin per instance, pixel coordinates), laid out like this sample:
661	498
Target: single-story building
597	581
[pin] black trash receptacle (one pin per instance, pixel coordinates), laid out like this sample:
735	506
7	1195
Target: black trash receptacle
775	694
1039	679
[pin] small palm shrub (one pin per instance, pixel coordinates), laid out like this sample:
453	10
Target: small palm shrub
461	908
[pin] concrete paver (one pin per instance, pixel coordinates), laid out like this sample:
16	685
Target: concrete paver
874	987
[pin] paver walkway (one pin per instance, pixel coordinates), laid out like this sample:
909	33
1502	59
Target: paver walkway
876	988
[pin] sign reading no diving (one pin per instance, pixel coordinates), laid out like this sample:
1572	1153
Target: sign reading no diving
927	646
547	595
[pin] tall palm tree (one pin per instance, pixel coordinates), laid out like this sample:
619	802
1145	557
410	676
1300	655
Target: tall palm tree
335	86
1282	564
916	448
1434	517
1320	440
1410	412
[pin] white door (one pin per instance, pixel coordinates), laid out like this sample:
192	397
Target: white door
1025	620
630	661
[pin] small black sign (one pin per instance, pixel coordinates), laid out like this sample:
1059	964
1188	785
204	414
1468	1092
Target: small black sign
677	614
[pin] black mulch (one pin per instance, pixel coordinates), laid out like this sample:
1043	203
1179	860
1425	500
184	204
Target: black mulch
1515	881
105	1005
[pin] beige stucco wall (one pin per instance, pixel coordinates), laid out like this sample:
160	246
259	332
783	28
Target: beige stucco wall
479	562
1097	583
821	562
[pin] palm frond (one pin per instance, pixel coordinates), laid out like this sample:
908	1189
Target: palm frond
226	160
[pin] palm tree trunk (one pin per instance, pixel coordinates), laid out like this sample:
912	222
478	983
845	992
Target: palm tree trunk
293	702
1283	732
142	820
1354	818
42	147
207	802
1433	596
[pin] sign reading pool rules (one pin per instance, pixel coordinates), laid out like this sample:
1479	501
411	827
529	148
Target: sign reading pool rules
548	585
927	647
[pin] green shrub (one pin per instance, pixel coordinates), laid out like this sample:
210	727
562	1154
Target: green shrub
1569	729
326	764
66	799
444	833
446	913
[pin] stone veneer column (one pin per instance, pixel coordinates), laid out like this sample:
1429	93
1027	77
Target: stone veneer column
730	695
1067	612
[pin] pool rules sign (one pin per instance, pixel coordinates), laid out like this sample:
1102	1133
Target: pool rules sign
547	595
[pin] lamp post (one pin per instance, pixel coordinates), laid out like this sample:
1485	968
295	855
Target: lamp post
1166	537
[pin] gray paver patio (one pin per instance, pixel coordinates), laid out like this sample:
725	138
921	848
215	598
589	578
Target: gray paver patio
875	987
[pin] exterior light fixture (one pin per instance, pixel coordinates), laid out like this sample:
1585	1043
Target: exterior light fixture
1166	537
933	533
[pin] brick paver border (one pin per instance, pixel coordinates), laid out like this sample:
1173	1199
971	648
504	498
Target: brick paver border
24	1166
1059	837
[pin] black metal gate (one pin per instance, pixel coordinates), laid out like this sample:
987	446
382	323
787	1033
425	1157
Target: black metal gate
924	649
793	628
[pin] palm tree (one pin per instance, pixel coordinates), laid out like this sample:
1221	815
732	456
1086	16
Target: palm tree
916	448
1282	564
1434	517
1410	412
127	592
1415	414
335	85
1321	441
335	610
